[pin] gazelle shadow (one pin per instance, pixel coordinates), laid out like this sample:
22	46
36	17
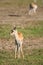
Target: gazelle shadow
15	15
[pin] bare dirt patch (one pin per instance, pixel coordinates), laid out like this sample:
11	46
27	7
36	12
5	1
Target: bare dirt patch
28	44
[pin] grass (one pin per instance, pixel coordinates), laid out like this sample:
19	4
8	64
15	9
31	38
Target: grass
34	30
35	58
5	30
19	3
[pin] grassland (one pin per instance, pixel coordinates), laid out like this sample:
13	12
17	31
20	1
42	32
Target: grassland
35	30
35	58
31	29
19	3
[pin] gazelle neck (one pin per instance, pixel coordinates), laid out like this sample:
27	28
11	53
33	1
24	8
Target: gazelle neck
16	34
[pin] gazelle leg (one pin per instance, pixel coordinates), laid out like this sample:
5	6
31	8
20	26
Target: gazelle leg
15	51
19	52
22	52
29	12
34	10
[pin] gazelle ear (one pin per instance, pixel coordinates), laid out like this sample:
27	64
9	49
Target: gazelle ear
14	28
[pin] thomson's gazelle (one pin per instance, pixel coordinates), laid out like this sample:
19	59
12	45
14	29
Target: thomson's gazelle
18	42
32	8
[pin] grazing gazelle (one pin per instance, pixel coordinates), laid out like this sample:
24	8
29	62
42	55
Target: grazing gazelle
18	42
32	8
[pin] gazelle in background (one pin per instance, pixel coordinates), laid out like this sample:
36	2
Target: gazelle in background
32	8
18	42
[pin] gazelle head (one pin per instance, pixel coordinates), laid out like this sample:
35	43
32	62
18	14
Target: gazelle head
13	31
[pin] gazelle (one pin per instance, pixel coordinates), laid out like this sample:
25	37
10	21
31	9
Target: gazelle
33	7
18	42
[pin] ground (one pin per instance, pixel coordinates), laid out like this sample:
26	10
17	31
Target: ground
20	17
32	46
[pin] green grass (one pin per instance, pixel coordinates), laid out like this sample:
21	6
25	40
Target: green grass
35	58
5	30
34	30
19	3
